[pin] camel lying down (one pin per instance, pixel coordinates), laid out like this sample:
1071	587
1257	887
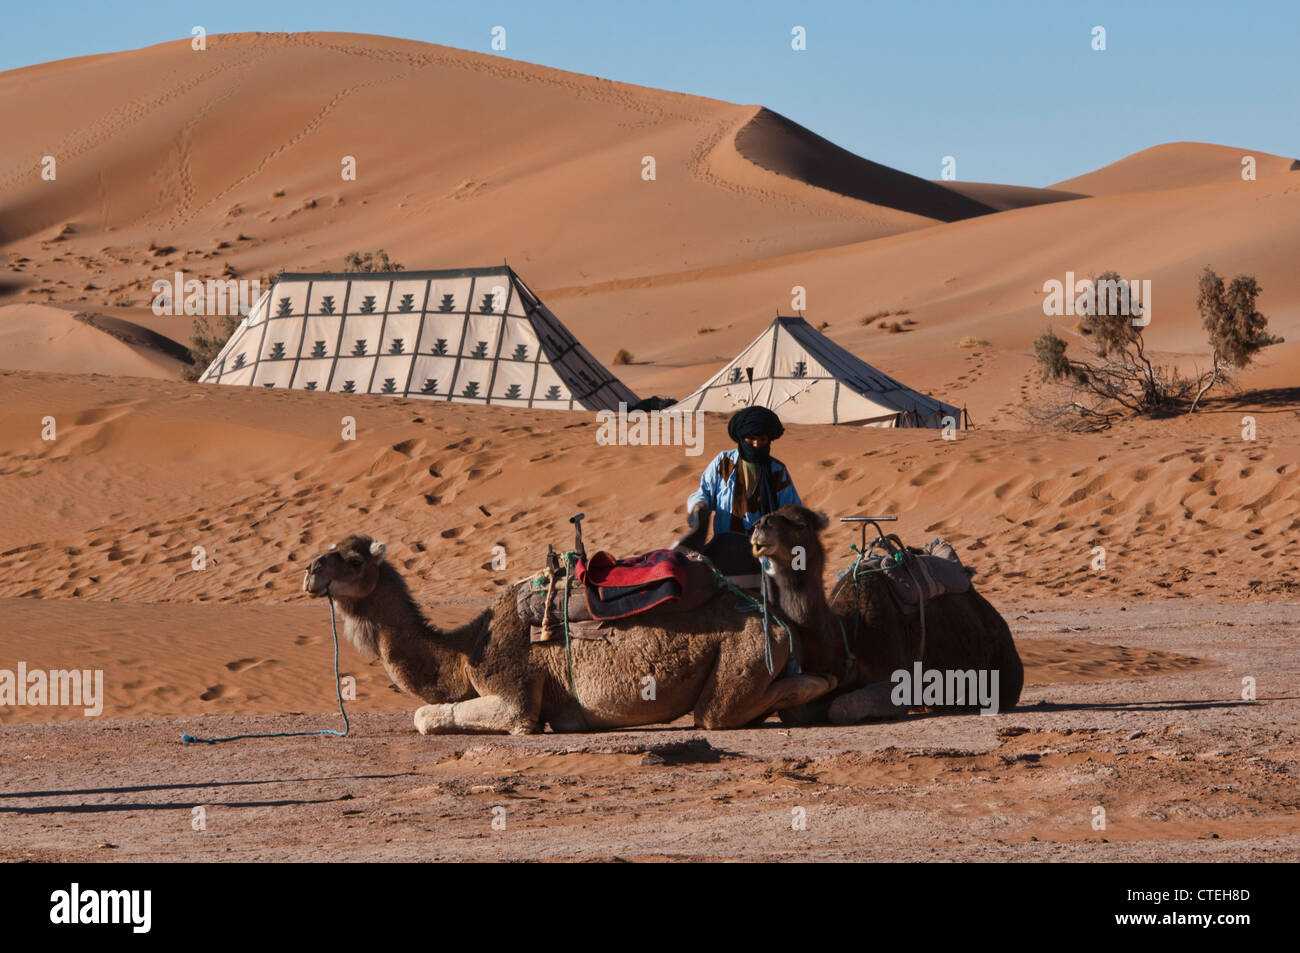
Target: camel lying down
864	637
486	676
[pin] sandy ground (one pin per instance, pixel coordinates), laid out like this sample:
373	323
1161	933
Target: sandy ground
1184	768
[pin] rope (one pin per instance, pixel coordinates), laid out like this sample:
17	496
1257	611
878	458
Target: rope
570	560
851	575
750	604
849	658
896	558
338	690
767	634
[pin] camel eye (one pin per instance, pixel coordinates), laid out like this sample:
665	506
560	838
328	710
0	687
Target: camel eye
354	560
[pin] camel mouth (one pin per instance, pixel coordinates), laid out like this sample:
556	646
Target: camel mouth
762	546
312	584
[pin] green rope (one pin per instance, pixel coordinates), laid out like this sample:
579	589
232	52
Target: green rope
338	690
755	605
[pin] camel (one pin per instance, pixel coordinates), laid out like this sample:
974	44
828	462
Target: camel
963	630
485	676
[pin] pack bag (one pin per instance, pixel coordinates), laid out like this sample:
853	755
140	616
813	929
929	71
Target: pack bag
929	572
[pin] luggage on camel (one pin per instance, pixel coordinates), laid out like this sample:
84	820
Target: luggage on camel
925	573
915	575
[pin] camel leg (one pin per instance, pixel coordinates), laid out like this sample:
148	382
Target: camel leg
874	702
487	713
736	712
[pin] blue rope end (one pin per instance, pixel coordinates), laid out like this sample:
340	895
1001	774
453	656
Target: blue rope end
186	739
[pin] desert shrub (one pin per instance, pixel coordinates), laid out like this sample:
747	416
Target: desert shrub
209	337
622	356
355	261
1119	380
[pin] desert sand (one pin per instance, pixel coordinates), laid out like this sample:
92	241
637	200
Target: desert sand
228	162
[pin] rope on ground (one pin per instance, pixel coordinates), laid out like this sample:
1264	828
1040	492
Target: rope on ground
338	690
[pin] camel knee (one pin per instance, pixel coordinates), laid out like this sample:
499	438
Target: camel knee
435	719
489	713
873	702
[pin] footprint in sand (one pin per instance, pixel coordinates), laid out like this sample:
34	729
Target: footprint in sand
214	692
674	473
243	664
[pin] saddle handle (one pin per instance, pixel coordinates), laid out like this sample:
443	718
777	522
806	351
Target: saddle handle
875	522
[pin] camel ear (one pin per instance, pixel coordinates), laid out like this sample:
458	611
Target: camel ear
377	549
333	546
821	520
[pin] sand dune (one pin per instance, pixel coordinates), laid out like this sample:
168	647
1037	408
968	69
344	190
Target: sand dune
143	471
44	338
1176	165
1000	198
248	138
780	145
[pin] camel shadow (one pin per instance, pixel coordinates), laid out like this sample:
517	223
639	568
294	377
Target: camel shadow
147	806
1162	705
183	786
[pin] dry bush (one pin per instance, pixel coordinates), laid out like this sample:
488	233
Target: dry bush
622	356
1118	380
210	336
356	261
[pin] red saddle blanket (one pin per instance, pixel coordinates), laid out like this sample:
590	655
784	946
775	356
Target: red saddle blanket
617	588
603	570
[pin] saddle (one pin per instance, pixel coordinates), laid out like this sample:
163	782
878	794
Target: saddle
601	589
921	574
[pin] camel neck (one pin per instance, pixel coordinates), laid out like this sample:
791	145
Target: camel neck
419	658
799	596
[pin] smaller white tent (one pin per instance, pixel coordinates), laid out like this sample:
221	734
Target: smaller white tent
795	370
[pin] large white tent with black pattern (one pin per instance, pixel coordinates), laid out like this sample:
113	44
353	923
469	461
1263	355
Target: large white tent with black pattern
475	335
795	370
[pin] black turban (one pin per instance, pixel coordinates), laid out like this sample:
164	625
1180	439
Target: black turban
754	422
757	422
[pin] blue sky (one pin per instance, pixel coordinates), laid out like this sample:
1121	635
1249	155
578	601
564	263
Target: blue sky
1011	88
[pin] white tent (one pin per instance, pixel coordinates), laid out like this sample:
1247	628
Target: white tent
477	335
807	378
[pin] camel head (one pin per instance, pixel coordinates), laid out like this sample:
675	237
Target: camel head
349	569
788	542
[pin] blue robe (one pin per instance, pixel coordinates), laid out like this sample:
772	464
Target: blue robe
718	489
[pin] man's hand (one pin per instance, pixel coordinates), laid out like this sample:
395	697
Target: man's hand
699	513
